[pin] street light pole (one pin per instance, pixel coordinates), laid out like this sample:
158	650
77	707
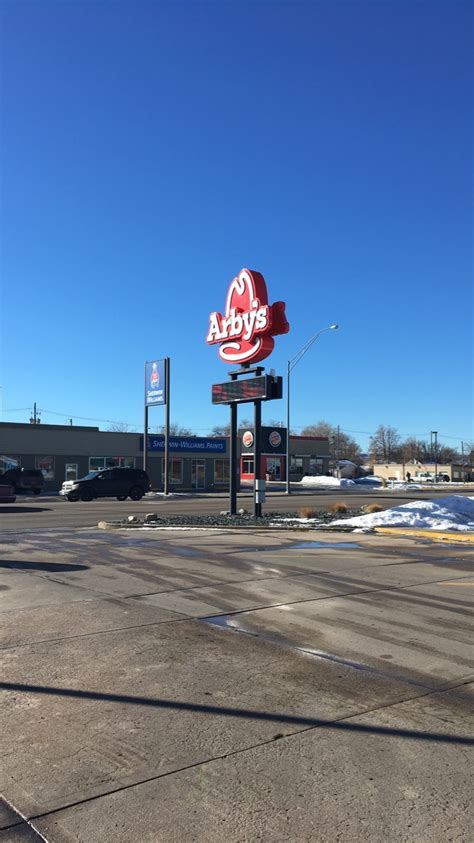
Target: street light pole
435	434
290	366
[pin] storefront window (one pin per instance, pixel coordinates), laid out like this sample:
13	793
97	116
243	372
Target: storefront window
46	465
175	470
247	465
127	462
221	471
70	471
296	465
97	463
6	463
315	465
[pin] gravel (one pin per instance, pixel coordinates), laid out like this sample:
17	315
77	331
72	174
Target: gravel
288	520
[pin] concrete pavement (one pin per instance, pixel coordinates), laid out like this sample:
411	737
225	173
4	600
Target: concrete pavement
239	686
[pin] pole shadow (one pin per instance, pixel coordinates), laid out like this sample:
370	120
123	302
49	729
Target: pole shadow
53	567
245	713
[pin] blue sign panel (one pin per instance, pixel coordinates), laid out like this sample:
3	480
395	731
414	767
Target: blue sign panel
155	382
197	444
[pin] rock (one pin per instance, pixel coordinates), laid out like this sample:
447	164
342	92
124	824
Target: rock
152	516
224	512
132	519
103	525
243	511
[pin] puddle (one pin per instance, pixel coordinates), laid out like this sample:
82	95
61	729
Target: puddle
328	545
300	546
224	621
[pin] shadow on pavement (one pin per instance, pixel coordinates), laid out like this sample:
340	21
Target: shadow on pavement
13	508
18	565
249	714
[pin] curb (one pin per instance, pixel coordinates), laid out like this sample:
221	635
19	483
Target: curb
115	525
453	537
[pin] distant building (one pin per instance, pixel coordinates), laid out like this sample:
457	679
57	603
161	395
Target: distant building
422	472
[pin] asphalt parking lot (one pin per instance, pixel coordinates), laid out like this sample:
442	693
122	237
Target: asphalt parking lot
221	685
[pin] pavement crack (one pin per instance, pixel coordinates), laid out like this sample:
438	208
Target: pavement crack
327	724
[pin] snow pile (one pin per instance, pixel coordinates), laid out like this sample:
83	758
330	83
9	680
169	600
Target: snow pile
451	513
325	482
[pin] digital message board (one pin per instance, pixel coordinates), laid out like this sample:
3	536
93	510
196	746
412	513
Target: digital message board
263	388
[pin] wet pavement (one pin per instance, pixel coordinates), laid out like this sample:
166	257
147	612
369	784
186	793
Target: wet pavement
239	686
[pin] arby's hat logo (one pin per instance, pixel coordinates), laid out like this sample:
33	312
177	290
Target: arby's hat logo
246	330
154	377
247	438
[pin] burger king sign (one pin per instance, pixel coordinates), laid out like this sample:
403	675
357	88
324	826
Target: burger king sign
247	439
246	329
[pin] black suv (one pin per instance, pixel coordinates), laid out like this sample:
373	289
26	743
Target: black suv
121	483
24	479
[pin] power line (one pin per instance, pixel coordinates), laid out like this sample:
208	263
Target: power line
83	418
295	427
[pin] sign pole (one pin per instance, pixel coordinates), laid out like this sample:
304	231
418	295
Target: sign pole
257	451
233	460
167	427
145	431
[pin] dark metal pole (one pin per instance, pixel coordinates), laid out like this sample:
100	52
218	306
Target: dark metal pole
233	460
288	489
167	426
435	453
257	448
145	430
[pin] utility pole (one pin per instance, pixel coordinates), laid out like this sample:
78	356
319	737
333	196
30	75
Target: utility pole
435	434
35	419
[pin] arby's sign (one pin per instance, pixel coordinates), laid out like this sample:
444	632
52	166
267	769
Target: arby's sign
246	329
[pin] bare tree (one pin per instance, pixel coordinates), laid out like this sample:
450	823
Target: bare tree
341	445
412	450
175	430
384	444
220	430
121	427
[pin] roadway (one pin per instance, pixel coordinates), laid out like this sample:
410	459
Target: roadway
53	512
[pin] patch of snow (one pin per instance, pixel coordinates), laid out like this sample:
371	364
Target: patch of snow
455	512
169	495
320	481
296	521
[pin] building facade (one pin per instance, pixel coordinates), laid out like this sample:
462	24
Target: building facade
64	452
457	472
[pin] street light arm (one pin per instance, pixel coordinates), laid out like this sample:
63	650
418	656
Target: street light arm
290	366
296	359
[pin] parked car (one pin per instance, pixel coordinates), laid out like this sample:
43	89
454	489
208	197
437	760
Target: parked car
121	483
7	494
428	477
24	479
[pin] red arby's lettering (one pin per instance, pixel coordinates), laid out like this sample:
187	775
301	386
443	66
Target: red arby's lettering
246	330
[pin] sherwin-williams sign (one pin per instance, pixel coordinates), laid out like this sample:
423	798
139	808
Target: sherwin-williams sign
155	382
186	443
246	330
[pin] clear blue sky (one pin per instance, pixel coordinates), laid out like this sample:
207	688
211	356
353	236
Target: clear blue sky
153	149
